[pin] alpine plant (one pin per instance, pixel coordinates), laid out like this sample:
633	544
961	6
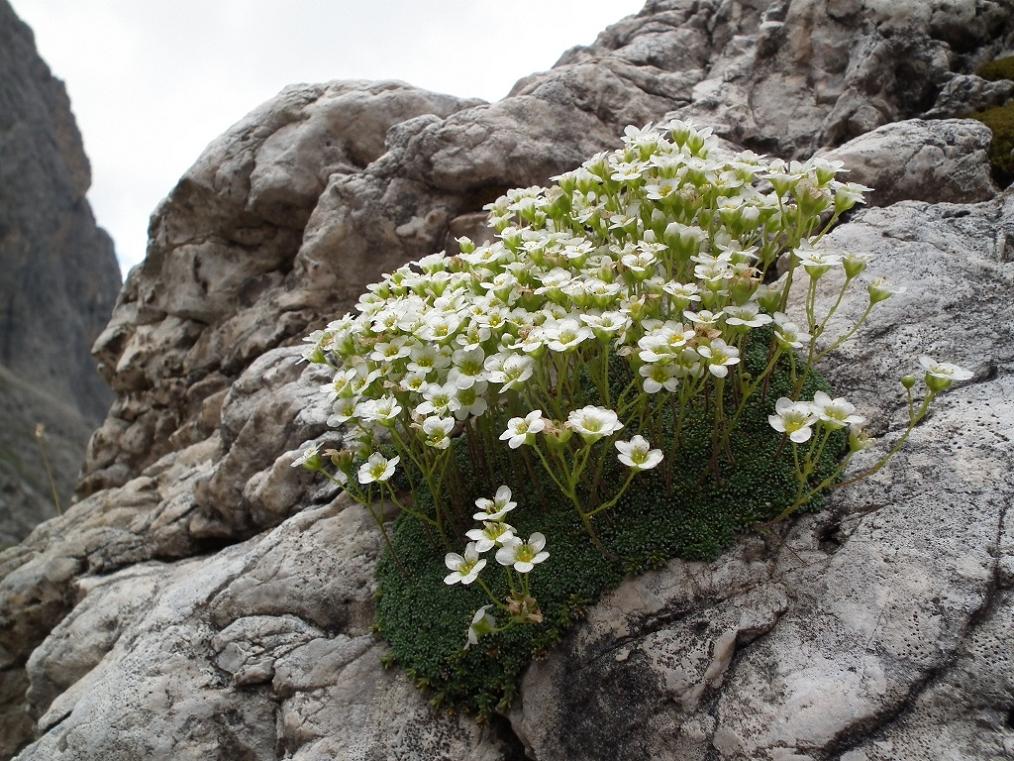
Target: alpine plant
657	263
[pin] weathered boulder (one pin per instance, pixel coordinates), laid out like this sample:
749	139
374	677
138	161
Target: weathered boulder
238	591
791	76
58	283
967	93
940	161
164	651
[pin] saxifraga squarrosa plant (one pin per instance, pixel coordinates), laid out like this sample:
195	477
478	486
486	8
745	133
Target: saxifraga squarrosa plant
611	383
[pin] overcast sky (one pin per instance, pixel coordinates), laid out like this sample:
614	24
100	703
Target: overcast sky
152	82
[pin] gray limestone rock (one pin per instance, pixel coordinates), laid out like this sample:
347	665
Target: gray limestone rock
943	160
258	651
965	94
208	601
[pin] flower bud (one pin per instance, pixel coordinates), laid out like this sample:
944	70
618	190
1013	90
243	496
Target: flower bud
848	195
816	272
568	182
880	291
742	288
858	440
556	435
561	205
908	381
936	384
636	307
854	264
770	298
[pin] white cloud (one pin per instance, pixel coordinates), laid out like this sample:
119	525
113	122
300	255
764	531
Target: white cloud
153	81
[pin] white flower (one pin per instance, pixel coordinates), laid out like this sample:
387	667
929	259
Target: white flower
705	317
720	357
440	400
310	457
436	431
835	413
658	376
521	430
385	351
788	334
593	423
377	468
944	371
491	534
467	367
523	555
637	454
495	509
482	624
344	410
426	357
433	262
439	327
682	293
747	315
515	370
414	382
463	569
794	419
383	410
639	262
471	401
567	335
815	262
664	343
606	323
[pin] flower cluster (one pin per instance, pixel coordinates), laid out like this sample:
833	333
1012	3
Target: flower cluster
624	297
517	556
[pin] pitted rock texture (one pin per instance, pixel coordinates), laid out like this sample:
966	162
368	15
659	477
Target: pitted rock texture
791	76
58	282
916	160
206	600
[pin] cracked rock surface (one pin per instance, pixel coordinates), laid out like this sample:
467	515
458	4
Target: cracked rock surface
205	601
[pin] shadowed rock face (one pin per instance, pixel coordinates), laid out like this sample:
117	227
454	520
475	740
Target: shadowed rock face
208	601
58	283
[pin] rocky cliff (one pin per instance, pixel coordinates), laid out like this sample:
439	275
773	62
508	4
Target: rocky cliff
205	600
58	282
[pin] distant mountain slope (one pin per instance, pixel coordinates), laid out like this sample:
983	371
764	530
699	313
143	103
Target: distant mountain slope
58	282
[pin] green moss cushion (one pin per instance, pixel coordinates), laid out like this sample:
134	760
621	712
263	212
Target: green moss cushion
681	513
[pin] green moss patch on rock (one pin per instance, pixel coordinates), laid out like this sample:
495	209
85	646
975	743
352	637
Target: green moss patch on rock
999	68
693	516
1000	119
1001	151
